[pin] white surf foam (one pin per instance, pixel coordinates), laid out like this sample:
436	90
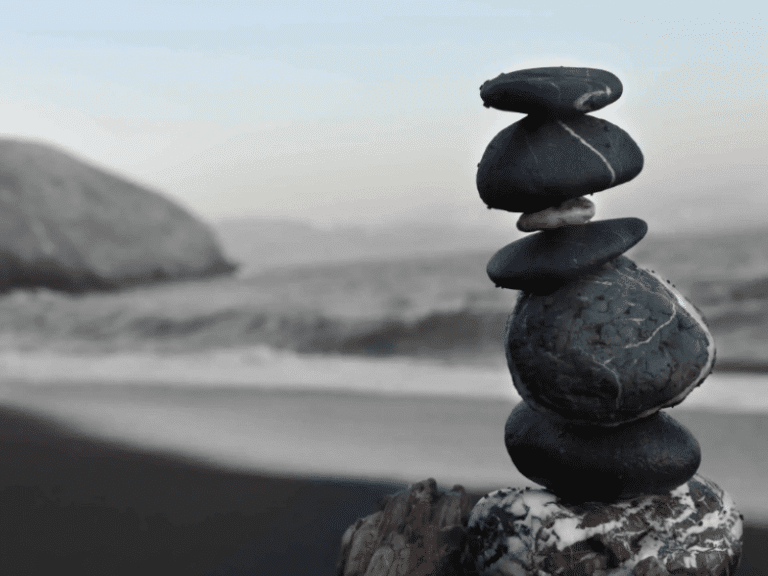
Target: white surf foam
265	368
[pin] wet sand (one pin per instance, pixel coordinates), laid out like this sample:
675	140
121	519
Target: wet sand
174	480
71	505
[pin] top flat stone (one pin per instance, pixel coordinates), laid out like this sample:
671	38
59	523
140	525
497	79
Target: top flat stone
555	91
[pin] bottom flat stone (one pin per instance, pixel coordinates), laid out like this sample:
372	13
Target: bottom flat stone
579	463
693	530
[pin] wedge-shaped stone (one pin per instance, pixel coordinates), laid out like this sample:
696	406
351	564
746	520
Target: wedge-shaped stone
417	531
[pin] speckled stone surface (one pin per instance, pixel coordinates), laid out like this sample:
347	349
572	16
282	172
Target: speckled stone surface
581	463
614	345
537	163
574	211
695	530
559	90
541	262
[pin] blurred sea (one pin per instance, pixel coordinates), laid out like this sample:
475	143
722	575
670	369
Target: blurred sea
394	312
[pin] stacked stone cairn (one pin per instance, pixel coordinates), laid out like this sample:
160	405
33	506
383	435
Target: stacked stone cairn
596	347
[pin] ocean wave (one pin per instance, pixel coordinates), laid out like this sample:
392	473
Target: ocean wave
225	314
255	367
422	307
270	370
310	332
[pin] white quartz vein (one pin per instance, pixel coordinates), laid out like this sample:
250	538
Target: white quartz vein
636	344
617	378
581	100
588	145
530	149
691	310
622	273
556	88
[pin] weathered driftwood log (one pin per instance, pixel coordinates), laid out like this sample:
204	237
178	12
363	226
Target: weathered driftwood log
416	532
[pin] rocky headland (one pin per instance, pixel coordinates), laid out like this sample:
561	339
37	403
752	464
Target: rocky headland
68	225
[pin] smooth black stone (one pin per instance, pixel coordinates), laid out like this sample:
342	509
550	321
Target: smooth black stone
544	260
615	345
536	162
592	463
560	91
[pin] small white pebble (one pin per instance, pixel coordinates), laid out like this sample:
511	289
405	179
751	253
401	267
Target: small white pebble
574	211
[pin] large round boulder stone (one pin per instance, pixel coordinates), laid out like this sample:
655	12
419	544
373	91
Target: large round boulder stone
612	346
67	225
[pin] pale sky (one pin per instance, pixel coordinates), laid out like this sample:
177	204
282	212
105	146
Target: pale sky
341	112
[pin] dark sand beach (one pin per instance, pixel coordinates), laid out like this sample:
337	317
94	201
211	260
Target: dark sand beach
242	481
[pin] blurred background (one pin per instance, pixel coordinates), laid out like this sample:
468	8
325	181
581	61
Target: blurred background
248	233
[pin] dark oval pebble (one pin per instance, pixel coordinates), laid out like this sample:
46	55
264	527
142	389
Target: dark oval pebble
615	345
542	261
593	463
537	163
561	91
